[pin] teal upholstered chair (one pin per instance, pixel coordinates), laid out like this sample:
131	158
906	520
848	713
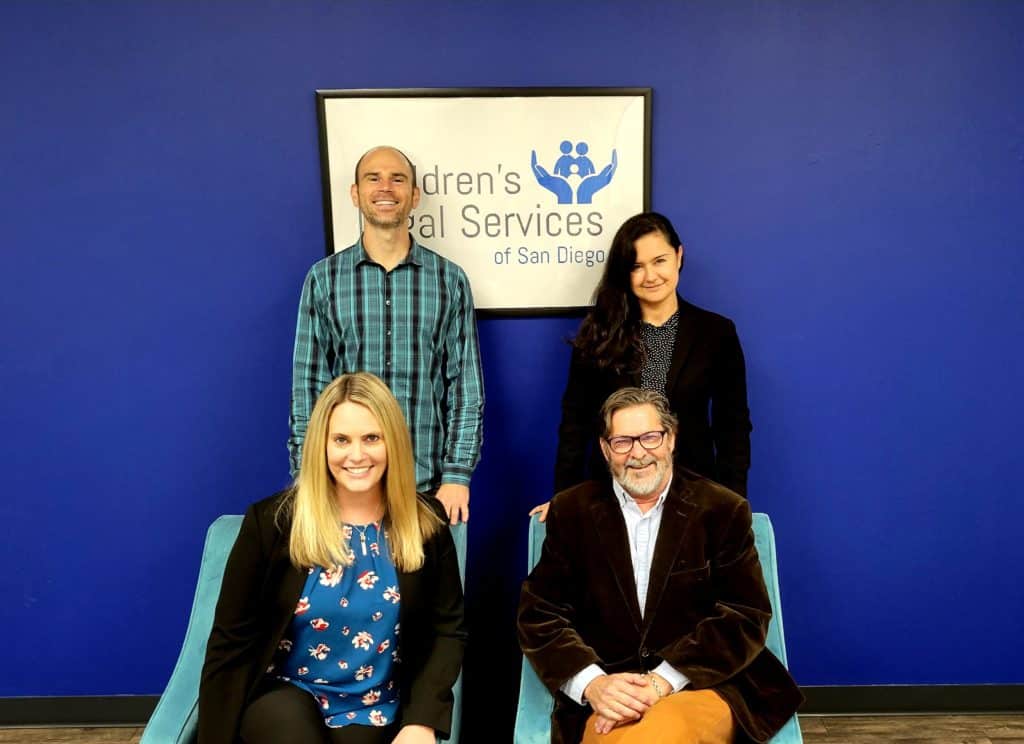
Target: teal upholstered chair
174	719
533	717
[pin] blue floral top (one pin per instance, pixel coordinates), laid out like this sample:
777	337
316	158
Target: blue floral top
342	643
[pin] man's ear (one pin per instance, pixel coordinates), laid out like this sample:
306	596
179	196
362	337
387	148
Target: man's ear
670	441
354	193
605	450
415	197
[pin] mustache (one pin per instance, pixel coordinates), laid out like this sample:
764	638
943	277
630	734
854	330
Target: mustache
640	462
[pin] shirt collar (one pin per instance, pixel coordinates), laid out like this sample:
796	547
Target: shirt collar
625	499
413	257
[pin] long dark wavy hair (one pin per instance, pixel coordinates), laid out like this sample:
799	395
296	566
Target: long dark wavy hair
609	336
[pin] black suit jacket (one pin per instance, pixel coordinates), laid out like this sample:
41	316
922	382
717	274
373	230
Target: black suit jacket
257	601
706	614
706	388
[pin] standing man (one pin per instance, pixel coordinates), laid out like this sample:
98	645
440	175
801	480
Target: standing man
391	306
647	613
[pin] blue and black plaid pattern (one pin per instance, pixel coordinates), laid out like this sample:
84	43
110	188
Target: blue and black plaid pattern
414	327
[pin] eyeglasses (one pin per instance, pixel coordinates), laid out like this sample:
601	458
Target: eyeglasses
648	440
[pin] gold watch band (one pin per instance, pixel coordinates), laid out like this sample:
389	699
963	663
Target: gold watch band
656	685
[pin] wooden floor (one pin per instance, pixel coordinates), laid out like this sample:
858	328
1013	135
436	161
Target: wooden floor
816	730
913	729
127	735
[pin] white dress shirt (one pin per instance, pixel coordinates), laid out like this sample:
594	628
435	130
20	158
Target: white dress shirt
642	530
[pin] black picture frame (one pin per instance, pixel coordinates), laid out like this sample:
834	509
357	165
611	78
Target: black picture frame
331	130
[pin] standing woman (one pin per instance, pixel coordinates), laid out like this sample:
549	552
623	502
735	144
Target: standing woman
640	332
340	619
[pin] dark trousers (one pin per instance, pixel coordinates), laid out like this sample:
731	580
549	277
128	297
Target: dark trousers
281	713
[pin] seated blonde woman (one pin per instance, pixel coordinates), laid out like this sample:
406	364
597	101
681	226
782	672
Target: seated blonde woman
340	619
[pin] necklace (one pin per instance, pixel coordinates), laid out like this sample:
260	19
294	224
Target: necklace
362	534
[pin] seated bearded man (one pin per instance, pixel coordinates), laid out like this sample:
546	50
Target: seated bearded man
647	613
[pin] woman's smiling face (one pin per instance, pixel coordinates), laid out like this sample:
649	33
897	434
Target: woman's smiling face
655	273
357	456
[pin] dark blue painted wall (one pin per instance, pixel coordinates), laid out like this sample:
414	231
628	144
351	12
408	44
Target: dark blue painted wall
848	177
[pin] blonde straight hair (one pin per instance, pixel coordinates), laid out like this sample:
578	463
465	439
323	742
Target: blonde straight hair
316	537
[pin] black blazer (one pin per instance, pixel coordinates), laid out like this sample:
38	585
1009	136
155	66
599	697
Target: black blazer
706	614
257	601
706	387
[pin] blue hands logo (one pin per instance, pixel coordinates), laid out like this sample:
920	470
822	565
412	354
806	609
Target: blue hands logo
570	166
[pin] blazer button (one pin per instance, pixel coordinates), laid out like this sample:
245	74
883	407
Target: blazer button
644	653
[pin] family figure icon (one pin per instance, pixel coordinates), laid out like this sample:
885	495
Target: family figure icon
573	166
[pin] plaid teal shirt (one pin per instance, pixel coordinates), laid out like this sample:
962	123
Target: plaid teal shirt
413	327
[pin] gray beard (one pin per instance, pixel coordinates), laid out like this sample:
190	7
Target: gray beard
641	487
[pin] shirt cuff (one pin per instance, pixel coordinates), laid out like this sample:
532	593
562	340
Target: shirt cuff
576	685
455	474
677	679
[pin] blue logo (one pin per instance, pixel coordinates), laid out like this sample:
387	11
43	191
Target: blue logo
570	166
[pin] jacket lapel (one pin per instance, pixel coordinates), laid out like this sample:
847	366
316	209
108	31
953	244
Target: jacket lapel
671	538
289	588
685	333
614	544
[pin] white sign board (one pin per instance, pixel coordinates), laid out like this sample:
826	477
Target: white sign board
523	188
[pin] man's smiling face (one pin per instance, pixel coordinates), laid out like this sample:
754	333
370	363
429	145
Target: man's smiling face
643	473
384	191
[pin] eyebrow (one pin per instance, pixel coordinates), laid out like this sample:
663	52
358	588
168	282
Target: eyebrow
653	258
390	173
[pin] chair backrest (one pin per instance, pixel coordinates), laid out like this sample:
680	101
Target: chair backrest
459	536
764	540
176	715
533	714
535	702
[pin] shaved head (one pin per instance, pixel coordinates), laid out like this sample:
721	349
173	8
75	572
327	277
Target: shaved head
378	148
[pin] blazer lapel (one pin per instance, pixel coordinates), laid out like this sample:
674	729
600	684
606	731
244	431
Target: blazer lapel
614	544
685	333
289	588
671	539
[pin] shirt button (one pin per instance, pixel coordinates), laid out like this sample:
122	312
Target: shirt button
389	333
387	302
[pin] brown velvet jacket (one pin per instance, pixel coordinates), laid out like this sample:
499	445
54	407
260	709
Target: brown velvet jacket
707	608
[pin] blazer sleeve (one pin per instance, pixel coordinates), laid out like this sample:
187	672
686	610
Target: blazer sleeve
430	699
237	635
729	638
548	607
730	416
576	428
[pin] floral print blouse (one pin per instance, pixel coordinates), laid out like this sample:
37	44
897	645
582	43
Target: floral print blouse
342	643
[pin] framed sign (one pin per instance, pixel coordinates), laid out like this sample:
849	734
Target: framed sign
524	188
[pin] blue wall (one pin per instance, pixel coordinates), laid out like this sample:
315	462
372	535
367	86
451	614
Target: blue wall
848	177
